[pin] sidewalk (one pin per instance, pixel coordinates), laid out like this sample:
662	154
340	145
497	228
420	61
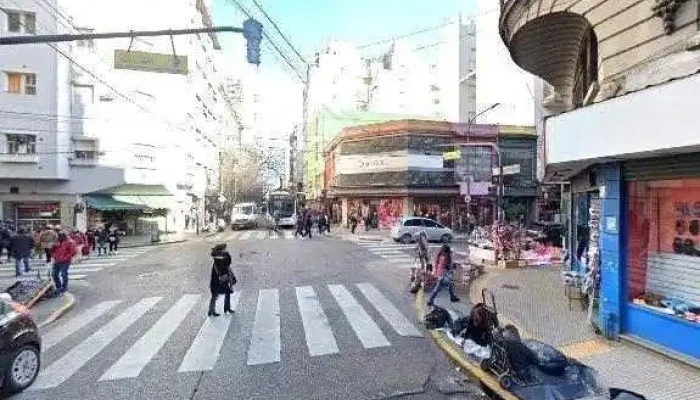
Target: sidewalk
534	301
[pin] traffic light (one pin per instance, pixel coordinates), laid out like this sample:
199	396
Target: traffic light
252	32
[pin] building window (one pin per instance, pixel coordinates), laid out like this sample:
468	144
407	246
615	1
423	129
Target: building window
586	69
85	155
20	144
20	83
21	22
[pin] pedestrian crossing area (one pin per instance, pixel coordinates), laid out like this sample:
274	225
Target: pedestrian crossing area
334	319
401	255
264	235
78	270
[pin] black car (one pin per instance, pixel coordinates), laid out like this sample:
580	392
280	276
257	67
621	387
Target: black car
20	347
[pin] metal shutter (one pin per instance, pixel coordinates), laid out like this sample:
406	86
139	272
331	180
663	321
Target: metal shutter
659	168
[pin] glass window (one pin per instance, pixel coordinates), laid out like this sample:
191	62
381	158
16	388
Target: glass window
21	144
14	23
29	84
430	223
663	251
14	83
29	23
412	222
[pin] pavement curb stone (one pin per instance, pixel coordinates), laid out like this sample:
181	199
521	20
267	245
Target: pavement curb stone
67	305
454	353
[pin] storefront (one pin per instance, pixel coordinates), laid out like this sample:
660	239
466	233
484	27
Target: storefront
440	210
36	215
383	213
662	283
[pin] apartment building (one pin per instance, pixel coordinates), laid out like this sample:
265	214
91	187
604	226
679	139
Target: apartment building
144	138
621	87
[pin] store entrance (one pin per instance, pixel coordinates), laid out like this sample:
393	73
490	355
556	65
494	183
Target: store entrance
35	216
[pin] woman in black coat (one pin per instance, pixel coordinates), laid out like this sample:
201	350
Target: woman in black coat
222	279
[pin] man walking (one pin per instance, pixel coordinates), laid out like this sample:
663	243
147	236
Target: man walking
21	247
47	239
63	252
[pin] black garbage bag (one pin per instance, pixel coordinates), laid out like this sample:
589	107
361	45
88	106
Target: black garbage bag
460	325
437	318
548	359
25	290
622	394
414	287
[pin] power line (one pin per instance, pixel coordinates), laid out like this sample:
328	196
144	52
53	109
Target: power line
284	37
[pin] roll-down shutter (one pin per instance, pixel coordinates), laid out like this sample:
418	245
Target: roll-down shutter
659	168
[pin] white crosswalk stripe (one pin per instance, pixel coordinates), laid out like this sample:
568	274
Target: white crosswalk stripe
71	362
101	325
204	352
131	363
263	235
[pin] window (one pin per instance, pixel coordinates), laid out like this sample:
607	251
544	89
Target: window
21	144
21	22
430	224
412	222
20	83
83	94
85	155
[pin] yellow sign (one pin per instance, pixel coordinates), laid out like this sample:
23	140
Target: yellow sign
150	62
516	130
452	155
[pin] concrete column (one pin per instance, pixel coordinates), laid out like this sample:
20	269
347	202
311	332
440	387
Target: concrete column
408	206
67	214
612	258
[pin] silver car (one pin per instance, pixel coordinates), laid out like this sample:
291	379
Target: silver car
406	230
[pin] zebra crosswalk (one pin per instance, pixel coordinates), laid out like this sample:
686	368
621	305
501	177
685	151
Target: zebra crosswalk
77	270
401	255
263	235
73	344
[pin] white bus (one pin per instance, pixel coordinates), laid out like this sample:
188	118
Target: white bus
285	205
244	216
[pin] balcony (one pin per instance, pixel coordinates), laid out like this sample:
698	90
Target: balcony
85	143
19	158
82	162
590	51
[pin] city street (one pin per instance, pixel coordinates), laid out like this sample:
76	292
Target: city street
314	319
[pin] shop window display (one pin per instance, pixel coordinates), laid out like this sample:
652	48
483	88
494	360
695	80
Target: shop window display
664	246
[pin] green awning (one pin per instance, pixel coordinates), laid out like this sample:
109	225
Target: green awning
136	190
109	203
152	202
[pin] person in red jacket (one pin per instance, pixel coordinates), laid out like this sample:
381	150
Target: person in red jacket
63	252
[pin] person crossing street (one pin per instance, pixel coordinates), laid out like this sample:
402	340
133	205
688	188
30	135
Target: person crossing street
63	252
222	279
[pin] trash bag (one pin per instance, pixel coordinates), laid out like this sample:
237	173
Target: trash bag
622	394
437	318
460	325
549	360
414	287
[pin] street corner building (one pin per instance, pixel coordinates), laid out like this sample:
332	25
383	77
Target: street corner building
414	167
619	99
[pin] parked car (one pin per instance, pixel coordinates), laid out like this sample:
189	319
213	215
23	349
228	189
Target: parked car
243	216
406	230
20	347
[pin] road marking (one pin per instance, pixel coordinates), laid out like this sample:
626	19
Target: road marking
77	323
142	352
204	351
262	235
387	251
245	235
289	235
365	328
71	362
265	341
396	256
319	336
388	310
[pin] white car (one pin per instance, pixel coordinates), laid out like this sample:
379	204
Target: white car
243	216
406	230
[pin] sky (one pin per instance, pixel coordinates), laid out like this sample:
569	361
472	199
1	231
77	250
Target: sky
308	23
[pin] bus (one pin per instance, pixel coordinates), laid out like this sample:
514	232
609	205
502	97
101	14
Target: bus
285	204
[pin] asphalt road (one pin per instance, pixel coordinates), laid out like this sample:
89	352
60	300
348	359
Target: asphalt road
315	319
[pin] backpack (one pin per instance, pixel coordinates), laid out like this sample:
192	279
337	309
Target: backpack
437	318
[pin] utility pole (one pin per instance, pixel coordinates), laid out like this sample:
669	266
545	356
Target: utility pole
305	122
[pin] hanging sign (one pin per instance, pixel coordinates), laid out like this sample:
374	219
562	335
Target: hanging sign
150	62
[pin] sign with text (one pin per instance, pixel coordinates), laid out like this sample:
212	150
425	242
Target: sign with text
384	162
150	62
508	170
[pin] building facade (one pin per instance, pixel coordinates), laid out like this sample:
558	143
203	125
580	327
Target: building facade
623	79
398	169
107	127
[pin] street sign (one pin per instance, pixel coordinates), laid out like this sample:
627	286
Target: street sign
452	155
508	170
150	62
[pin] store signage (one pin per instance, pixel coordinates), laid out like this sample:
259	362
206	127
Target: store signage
385	162
452	155
150	62
508	170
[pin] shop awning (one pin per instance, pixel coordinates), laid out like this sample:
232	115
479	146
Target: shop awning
109	203
137	197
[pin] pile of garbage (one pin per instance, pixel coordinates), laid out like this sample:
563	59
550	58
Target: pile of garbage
29	291
530	369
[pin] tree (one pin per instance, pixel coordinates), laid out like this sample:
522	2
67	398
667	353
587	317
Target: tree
244	173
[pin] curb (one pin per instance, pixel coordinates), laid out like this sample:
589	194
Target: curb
68	304
132	246
453	352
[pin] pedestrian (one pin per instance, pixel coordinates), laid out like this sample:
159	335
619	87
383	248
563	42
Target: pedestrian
308	223
21	245
113	240
444	271
5	237
102	241
80	244
222	279
353	223
328	222
48	239
91	235
300	226
322	223
38	251
63	252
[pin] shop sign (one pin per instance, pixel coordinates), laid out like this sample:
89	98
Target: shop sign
150	62
385	162
452	155
508	170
